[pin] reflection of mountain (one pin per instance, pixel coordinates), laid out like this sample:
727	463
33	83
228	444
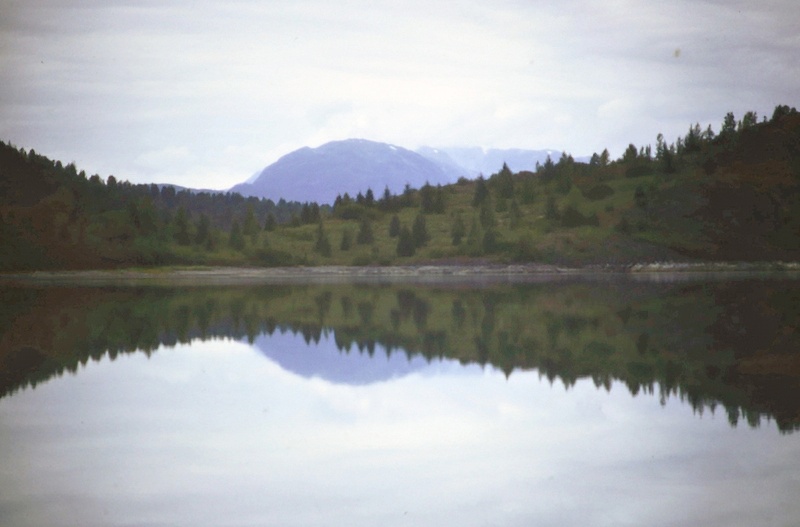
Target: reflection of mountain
732	345
325	361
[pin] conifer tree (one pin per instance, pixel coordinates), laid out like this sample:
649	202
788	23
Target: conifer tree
236	240
347	240
458	230
270	222
394	227
475	235
182	227
481	192
250	226
504	182
203	230
419	231
364	236
405	243
514	215
487	216
322	244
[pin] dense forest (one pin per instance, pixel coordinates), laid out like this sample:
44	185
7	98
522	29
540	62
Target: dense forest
727	195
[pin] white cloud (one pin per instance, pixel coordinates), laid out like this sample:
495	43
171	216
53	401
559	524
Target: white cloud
155	159
109	84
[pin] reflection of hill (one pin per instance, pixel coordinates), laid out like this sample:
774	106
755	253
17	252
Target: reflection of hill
730	344
327	362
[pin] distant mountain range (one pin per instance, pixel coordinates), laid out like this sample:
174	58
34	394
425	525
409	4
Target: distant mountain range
477	160
355	165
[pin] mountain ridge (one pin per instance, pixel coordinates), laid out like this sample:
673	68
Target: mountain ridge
345	166
355	165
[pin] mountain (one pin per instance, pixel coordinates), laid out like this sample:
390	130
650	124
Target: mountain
477	160
352	166
324	361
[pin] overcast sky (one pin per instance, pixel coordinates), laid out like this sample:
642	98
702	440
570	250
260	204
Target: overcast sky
205	93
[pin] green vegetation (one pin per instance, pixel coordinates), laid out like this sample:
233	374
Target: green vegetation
728	196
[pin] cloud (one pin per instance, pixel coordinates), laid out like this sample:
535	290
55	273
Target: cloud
155	159
109	84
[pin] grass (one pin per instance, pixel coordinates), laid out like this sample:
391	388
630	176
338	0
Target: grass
601	216
552	241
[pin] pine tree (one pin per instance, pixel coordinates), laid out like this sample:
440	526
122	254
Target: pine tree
347	240
236	240
487	216
514	215
551	209
203	230
270	222
419	231
481	192
364	236
728	125
394	227
475	235
405	243
181	227
458	230
504	182
250	226
322	244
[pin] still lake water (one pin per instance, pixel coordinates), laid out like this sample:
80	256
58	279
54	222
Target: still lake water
576	402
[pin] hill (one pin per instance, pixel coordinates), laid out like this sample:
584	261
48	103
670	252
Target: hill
732	195
349	166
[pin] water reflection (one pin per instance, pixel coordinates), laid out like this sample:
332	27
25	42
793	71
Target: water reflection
325	361
727	346
400	404
212	433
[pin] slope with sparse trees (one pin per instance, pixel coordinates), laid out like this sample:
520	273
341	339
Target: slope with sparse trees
731	195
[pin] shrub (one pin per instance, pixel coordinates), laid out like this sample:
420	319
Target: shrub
638	171
598	192
274	258
571	217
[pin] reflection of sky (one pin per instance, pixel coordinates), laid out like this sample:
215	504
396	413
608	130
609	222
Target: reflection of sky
213	434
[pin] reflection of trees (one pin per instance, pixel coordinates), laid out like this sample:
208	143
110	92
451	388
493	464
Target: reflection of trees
730	345
323	303
459	313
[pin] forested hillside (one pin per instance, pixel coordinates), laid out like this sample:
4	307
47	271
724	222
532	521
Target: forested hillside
727	195
52	216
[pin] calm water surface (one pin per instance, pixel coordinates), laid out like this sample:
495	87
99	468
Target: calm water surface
516	404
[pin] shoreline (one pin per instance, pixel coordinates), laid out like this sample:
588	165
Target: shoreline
427	273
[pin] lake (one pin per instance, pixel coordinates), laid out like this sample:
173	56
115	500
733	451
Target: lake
596	400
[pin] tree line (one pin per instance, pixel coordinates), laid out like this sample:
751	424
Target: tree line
52	215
